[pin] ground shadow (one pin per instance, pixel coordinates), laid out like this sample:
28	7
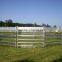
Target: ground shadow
58	60
25	60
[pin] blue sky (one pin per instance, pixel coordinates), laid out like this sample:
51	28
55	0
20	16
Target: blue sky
30	11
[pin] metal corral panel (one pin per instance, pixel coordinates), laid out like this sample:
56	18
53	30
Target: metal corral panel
30	28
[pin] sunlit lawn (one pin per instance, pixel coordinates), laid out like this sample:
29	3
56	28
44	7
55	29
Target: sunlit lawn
47	54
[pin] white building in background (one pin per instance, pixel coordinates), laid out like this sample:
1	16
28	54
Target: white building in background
46	29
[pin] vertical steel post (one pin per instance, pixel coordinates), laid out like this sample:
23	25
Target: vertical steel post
16	36
43	37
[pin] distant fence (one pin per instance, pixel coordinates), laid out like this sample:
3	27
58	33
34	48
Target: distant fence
8	36
8	43
29	37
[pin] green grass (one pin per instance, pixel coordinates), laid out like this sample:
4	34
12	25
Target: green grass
53	40
47	54
8	33
48	38
5	36
29	33
30	37
7	39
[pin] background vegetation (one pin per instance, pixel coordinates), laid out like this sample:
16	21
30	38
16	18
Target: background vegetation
10	23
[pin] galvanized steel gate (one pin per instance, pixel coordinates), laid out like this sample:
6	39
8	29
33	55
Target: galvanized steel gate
30	37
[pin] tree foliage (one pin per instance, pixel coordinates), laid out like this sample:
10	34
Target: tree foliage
10	23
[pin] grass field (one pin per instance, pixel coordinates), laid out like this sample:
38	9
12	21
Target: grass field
47	54
12	54
8	36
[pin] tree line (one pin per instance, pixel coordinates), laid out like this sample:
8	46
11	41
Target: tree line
10	23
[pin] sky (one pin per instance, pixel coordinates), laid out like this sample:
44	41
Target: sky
31	11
